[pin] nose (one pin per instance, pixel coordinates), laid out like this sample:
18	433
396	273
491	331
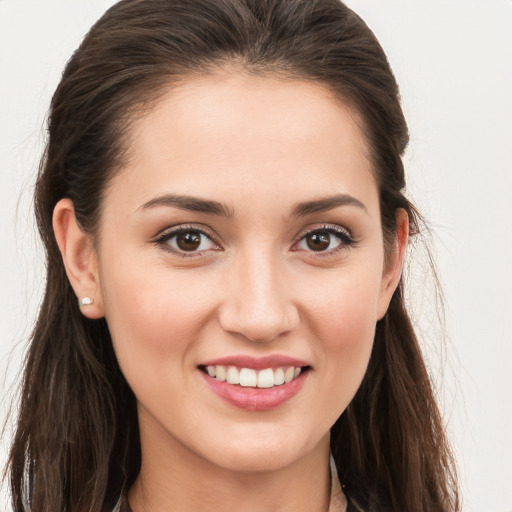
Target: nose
258	300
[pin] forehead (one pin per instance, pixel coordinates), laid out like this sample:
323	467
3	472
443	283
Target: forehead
221	129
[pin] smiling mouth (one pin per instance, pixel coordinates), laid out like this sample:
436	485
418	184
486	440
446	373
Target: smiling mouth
251	378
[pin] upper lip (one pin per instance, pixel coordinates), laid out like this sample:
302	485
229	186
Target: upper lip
257	363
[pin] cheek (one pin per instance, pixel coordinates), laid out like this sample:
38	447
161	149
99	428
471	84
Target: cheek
344	322
152	319
155	325
349	336
345	311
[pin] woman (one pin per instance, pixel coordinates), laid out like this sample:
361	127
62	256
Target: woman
221	203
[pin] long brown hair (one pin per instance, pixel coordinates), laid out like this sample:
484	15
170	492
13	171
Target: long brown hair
77	445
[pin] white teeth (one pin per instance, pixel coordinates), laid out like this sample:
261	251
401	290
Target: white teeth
248	377
232	375
278	377
288	374
220	372
266	378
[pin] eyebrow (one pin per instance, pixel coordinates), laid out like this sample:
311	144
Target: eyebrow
326	204
189	203
196	204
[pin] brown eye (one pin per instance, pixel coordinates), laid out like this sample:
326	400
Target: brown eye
318	241
326	240
188	241
184	241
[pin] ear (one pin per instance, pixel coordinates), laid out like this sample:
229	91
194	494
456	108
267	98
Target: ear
79	257
393	271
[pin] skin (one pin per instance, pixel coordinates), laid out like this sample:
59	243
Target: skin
259	146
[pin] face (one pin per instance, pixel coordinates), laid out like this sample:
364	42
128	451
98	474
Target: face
242	241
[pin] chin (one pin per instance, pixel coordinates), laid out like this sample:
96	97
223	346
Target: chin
260	451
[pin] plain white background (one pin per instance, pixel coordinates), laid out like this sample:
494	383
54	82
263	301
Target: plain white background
453	60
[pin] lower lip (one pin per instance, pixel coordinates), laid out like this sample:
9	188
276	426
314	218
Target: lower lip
255	399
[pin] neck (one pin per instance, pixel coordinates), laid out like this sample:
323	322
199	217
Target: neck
173	477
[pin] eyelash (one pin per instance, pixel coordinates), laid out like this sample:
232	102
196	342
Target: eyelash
346	241
163	240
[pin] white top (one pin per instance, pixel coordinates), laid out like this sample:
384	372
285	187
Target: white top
338	501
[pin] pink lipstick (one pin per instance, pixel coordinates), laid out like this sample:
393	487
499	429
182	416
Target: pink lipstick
255	384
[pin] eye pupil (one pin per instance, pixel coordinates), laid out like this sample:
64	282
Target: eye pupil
188	241
318	241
